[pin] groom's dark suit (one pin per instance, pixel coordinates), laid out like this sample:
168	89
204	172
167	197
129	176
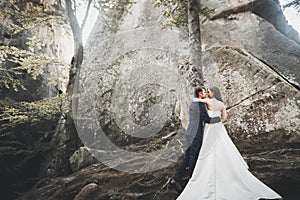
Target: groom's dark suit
194	134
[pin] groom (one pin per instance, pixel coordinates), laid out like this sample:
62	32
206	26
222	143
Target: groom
194	134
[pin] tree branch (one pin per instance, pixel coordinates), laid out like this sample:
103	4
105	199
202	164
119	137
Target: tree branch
87	11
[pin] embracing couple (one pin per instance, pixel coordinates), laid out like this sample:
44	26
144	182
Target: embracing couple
216	168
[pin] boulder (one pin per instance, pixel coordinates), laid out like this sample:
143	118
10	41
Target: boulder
137	78
89	192
81	158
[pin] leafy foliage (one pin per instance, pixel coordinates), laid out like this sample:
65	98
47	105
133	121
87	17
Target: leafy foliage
27	61
14	113
176	12
22	19
35	21
30	17
114	10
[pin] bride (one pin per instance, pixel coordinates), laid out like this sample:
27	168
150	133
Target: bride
220	171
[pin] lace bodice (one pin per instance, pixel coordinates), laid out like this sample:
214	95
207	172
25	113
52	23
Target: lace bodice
214	113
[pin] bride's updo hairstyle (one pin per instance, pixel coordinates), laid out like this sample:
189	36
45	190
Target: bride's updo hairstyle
217	93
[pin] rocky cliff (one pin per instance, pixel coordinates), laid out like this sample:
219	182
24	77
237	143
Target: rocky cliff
135	93
25	147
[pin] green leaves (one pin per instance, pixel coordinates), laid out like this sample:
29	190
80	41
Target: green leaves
38	23
14	113
27	62
176	12
32	18
114	10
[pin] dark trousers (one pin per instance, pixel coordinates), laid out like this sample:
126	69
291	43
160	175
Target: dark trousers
194	151
190	157
183	165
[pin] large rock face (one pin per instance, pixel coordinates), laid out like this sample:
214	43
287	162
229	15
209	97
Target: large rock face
259	71
135	89
136	80
256	66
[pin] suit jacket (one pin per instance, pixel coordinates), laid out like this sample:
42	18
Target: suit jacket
198	117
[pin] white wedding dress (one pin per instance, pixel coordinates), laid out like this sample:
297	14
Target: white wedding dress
221	172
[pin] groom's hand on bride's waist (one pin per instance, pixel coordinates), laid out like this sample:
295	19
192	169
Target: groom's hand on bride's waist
215	120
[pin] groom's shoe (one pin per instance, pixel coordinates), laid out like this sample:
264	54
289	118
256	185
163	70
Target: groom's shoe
174	185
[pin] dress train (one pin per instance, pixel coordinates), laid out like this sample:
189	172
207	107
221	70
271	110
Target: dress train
221	172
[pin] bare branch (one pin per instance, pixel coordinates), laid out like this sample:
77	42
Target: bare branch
87	11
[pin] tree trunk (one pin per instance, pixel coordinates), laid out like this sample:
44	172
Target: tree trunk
195	66
66	139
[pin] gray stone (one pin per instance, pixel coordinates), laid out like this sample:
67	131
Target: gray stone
246	56
262	107
80	159
260	39
89	192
